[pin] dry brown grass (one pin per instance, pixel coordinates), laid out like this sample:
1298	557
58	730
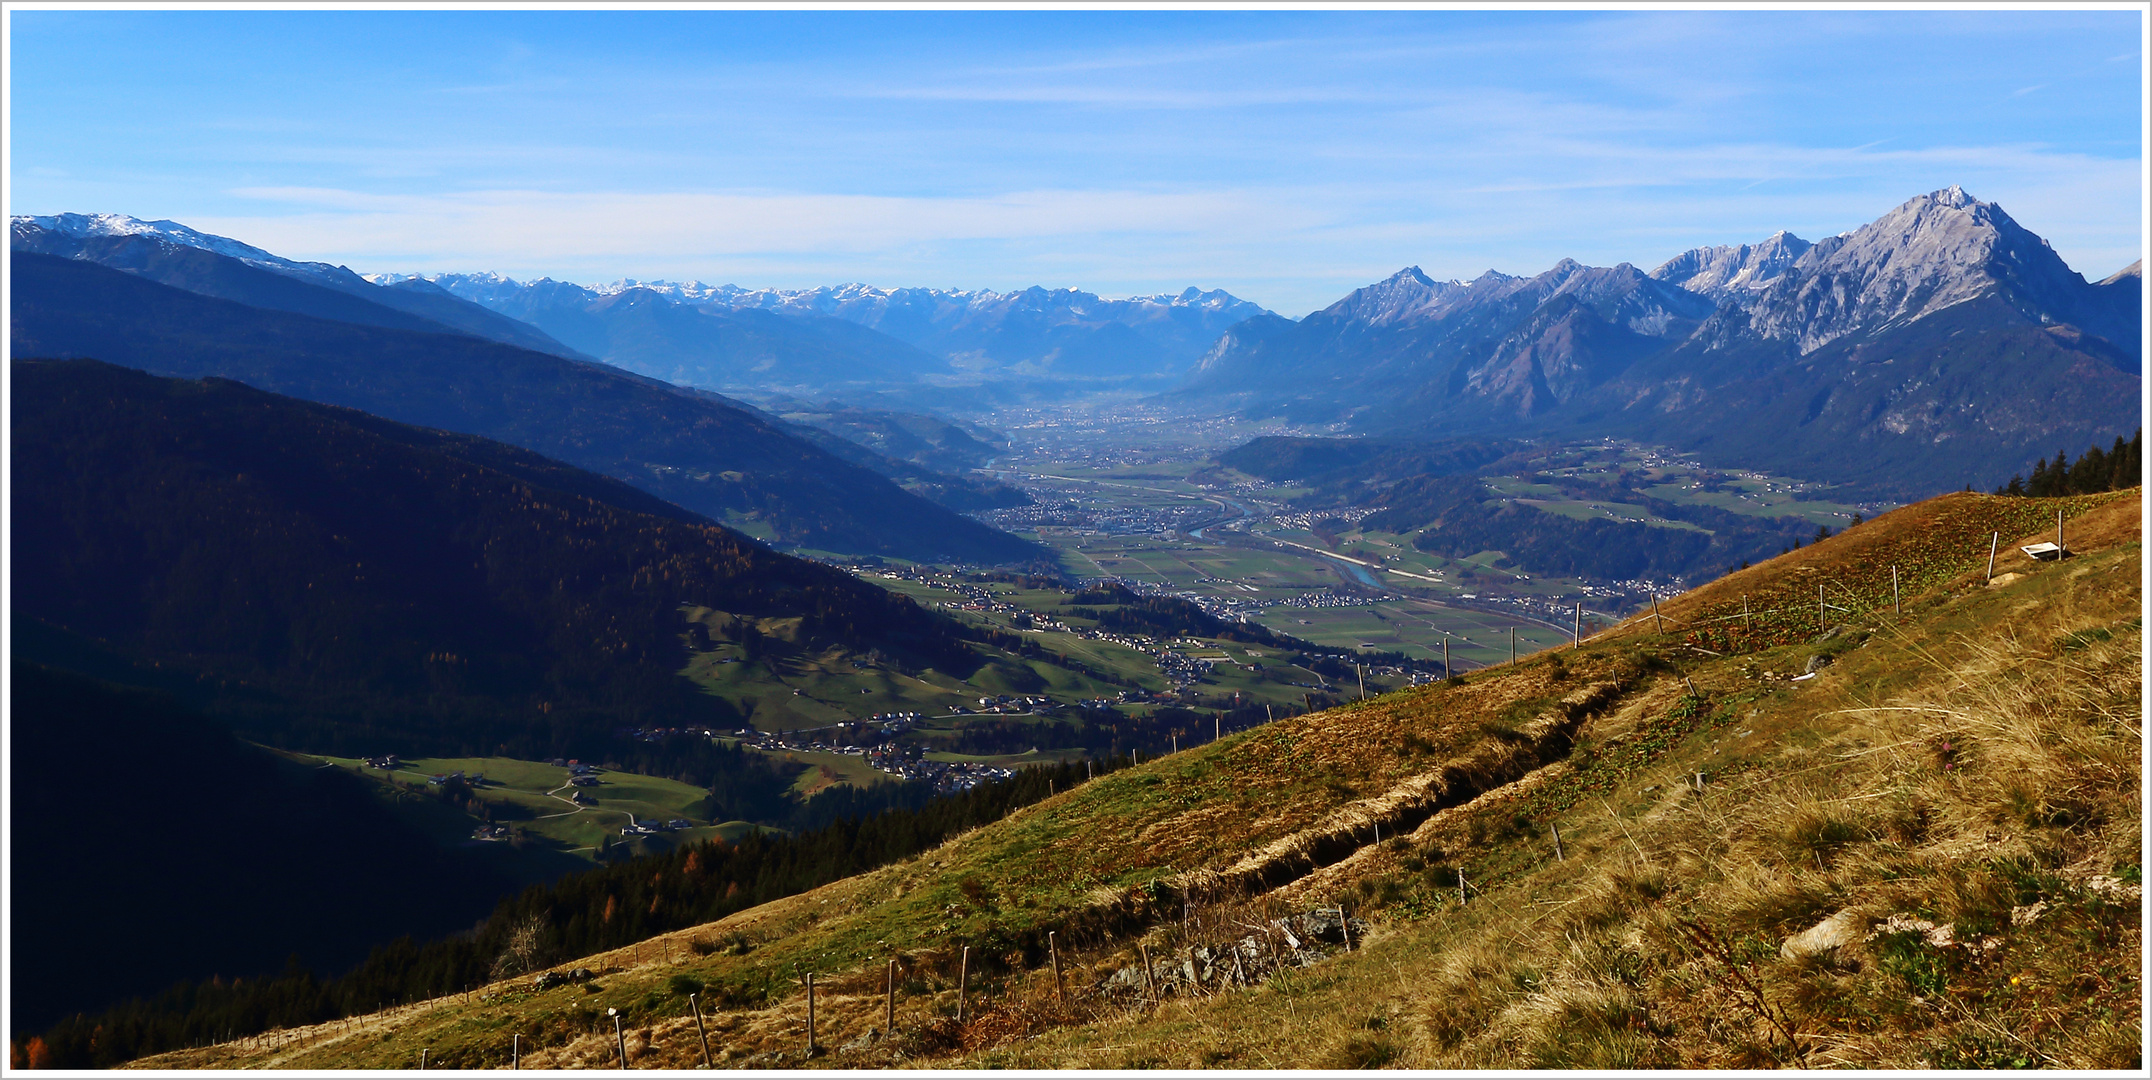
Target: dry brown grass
2007	780
1973	765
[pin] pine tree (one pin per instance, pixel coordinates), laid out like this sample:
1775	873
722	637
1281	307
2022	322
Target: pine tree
2091	473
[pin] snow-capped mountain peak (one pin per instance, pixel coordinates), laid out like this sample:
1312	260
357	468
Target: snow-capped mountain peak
87	227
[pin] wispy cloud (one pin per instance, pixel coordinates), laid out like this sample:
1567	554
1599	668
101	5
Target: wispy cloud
1292	154
1621	204
497	225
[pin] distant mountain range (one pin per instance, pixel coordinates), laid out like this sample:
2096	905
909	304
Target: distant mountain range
1941	344
815	340
222	315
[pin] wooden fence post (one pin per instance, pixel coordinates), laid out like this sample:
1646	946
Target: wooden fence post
1445	657
701	1032
1658	624
1061	987
1894	608
889	1022
1745	624
963	985
515	1052
1513	646
1577	631
620	1038
1556	832
1992	542
812	1049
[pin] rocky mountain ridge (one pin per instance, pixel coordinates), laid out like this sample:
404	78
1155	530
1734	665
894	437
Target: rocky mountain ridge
1944	318
1730	270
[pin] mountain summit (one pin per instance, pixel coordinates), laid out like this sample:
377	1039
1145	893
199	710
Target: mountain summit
1930	253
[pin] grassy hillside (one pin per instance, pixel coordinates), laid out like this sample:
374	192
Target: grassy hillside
1910	839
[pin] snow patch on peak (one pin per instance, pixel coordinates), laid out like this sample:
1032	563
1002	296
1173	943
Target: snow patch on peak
1733	270
173	234
485	278
85	226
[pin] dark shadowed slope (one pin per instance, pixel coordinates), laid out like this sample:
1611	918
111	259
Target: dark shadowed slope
351	584
148	845
688	449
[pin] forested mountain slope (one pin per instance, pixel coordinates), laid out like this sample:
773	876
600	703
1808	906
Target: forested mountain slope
357	585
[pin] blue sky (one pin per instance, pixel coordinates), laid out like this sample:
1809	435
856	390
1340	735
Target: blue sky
1288	157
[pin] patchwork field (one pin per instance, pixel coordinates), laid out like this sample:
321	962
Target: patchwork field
554	828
